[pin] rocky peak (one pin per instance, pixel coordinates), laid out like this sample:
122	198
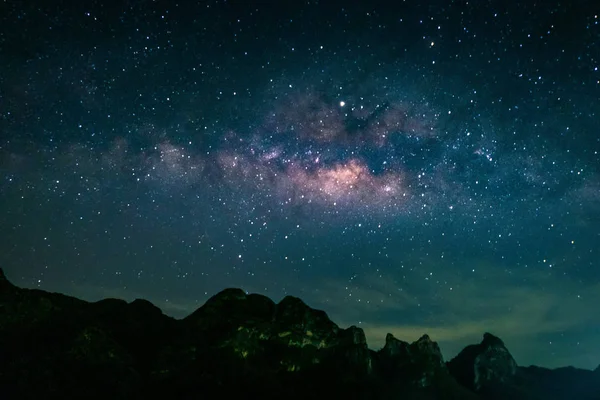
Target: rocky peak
486	363
146	310
293	310
145	306
394	347
226	297
352	336
490	340
294	316
429	349
417	364
351	350
231	307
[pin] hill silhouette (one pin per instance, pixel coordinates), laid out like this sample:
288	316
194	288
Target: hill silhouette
243	345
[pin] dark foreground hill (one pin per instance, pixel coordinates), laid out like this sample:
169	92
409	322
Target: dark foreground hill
242	346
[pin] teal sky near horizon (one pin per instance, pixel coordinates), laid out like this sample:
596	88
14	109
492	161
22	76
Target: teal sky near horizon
427	167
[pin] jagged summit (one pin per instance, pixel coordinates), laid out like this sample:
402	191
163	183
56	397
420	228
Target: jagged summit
394	347
490	340
484	364
235	345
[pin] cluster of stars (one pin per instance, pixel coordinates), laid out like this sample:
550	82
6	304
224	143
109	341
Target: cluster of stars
387	167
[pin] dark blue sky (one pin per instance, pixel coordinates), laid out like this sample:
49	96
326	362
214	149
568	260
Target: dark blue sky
429	167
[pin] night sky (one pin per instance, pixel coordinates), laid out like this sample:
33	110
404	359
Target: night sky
428	167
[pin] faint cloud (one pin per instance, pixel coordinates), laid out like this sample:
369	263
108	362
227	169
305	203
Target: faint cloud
519	310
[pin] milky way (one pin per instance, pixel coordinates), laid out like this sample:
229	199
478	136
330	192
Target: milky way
356	158
415	169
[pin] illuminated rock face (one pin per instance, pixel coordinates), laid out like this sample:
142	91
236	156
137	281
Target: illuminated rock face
240	344
488	363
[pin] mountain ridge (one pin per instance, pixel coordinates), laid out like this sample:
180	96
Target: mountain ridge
239	343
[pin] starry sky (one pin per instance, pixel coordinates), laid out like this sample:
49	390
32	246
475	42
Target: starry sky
427	167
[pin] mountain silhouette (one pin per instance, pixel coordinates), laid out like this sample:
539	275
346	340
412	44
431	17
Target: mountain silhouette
240	345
